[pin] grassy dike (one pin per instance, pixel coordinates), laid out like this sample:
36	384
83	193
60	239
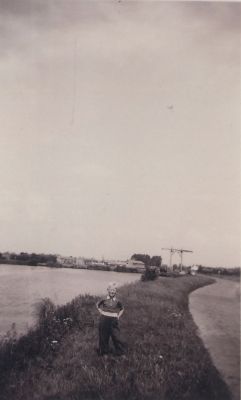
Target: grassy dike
165	358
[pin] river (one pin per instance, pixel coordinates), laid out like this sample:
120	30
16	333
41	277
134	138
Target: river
21	287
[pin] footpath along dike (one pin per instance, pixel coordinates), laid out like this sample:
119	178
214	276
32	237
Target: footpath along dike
216	311
165	360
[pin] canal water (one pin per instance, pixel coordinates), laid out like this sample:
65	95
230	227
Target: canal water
21	287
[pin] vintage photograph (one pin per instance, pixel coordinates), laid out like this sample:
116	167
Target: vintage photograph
120	194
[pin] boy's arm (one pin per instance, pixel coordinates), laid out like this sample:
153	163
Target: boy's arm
120	313
99	304
121	309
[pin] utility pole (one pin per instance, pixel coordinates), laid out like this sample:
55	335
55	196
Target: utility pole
180	252
172	251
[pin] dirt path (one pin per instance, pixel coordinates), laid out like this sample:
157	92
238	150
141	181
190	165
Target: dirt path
216	312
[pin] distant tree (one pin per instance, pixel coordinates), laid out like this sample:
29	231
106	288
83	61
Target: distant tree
175	267
156	261
52	258
23	257
150	274
34	259
145	258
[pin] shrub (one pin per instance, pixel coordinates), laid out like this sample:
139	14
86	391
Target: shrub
150	274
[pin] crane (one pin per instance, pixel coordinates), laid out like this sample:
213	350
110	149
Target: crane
179	251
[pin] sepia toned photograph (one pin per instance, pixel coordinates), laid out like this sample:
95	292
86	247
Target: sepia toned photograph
120	200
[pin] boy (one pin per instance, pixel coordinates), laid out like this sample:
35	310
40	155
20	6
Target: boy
111	310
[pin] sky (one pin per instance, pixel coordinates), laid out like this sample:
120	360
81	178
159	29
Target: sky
120	129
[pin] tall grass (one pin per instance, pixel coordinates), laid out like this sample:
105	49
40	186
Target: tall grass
165	360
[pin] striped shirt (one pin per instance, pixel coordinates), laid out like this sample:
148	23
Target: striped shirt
110	307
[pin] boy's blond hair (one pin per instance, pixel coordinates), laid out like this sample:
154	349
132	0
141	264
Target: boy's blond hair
111	286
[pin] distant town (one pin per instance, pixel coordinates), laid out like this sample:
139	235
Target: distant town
136	263
59	261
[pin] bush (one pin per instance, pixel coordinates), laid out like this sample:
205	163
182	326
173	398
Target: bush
150	274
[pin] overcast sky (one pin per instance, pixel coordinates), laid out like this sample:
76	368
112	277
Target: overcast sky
120	128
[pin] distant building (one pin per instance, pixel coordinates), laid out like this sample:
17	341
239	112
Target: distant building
134	264
120	263
194	269
66	261
95	263
80	262
70	262
6	255
115	263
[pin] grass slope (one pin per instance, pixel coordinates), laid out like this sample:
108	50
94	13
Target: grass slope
166	360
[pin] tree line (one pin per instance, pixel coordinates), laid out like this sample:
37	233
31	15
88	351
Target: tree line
28	258
154	261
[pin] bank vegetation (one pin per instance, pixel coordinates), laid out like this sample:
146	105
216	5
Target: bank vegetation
165	358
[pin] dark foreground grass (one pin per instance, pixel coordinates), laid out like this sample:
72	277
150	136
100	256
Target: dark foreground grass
165	357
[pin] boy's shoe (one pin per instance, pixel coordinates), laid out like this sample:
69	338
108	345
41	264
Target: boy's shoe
101	354
98	352
119	353
120	357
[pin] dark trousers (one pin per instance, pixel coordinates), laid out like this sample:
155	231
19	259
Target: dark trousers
108	327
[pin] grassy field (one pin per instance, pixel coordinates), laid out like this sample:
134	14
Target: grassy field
165	357
234	278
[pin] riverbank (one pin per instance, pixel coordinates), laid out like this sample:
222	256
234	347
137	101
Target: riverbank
166	360
234	278
88	266
21	287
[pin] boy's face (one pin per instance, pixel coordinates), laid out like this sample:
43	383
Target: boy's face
112	292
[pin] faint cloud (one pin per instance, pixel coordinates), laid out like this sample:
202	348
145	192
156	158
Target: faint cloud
23	8
22	22
224	16
53	13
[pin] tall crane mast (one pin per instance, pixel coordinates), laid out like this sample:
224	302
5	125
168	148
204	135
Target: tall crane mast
180	252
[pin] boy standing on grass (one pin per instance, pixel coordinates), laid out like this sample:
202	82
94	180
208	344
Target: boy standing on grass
111	310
